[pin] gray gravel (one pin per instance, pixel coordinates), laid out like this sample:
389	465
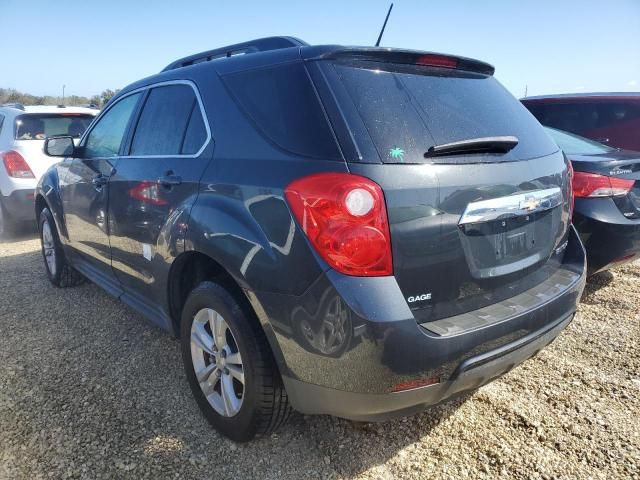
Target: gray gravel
88	389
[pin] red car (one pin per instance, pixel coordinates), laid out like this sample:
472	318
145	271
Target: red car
610	118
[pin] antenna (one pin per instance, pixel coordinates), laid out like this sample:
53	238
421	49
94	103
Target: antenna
384	26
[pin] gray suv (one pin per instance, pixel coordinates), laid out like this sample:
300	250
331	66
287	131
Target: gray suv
361	232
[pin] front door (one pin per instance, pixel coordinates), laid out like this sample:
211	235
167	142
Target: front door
85	191
153	189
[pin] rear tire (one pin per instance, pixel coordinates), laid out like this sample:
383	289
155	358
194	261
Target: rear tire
59	272
244	395
7	227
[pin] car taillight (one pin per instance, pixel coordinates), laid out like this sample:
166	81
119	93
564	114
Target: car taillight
147	192
345	218
572	197
16	165
591	185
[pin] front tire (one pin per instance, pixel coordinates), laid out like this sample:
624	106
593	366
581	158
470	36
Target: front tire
229	366
59	272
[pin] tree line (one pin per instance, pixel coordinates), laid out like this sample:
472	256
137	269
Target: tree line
11	95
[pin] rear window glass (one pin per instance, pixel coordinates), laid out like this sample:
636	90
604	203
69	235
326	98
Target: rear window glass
284	107
170	123
576	145
582	117
408	109
34	126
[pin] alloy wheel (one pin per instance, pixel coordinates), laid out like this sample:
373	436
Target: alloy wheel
48	247
217	362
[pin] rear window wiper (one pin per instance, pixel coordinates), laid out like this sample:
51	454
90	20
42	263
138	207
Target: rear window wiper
473	145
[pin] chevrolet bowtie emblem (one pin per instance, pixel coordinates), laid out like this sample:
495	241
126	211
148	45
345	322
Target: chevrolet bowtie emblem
529	204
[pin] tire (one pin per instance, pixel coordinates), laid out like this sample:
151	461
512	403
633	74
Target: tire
59	272
260	404
7	227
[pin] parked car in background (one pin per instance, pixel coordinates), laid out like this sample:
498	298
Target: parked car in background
354	231
22	161
606	187
609	118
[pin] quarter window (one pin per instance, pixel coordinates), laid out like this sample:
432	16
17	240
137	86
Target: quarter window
105	139
284	107
170	123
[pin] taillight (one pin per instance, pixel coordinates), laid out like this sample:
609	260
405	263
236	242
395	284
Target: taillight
147	192
345	218
572	197
591	185
16	165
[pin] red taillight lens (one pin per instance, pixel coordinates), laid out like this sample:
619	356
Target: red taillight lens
591	185
147	192
345	218
16	165
437	61
572	197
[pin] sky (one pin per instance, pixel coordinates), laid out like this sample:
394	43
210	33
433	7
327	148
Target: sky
544	46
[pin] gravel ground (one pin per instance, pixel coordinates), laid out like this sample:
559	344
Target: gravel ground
88	389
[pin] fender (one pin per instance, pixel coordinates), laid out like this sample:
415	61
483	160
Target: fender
48	189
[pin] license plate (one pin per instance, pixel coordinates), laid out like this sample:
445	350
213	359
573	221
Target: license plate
514	243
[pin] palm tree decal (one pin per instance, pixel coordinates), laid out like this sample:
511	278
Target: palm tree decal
396	153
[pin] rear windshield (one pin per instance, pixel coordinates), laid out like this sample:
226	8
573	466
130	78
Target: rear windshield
573	144
37	126
407	109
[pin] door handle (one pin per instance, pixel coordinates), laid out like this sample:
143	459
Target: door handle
99	181
170	180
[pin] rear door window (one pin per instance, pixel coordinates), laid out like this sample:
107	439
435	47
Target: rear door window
285	108
170	123
407	109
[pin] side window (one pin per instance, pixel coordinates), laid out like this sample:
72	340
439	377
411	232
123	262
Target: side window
105	138
170	123
1	122
612	114
284	107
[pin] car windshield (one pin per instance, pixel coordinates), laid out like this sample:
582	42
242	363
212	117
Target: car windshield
575	144
39	126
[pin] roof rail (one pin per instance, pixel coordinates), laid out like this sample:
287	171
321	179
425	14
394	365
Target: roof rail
252	46
19	106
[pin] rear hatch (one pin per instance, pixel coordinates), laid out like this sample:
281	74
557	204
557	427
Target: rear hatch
32	128
472	223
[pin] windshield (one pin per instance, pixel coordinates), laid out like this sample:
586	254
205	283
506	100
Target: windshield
408	109
573	144
38	126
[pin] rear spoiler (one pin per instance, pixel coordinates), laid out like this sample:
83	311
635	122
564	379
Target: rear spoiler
408	57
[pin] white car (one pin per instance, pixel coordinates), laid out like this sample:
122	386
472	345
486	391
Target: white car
22	161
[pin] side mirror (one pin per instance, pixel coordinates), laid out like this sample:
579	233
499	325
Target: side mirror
60	146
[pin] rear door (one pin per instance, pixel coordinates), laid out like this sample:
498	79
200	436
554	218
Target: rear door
467	229
154	187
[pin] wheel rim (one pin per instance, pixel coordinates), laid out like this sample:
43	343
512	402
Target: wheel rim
217	362
48	247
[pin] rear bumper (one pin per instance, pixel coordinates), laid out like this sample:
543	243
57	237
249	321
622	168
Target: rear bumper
609	238
19	205
348	344
471	374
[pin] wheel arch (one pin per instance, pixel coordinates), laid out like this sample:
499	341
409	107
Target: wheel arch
193	267
48	195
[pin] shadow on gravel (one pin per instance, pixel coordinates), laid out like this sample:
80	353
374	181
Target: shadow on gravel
595	283
24	233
